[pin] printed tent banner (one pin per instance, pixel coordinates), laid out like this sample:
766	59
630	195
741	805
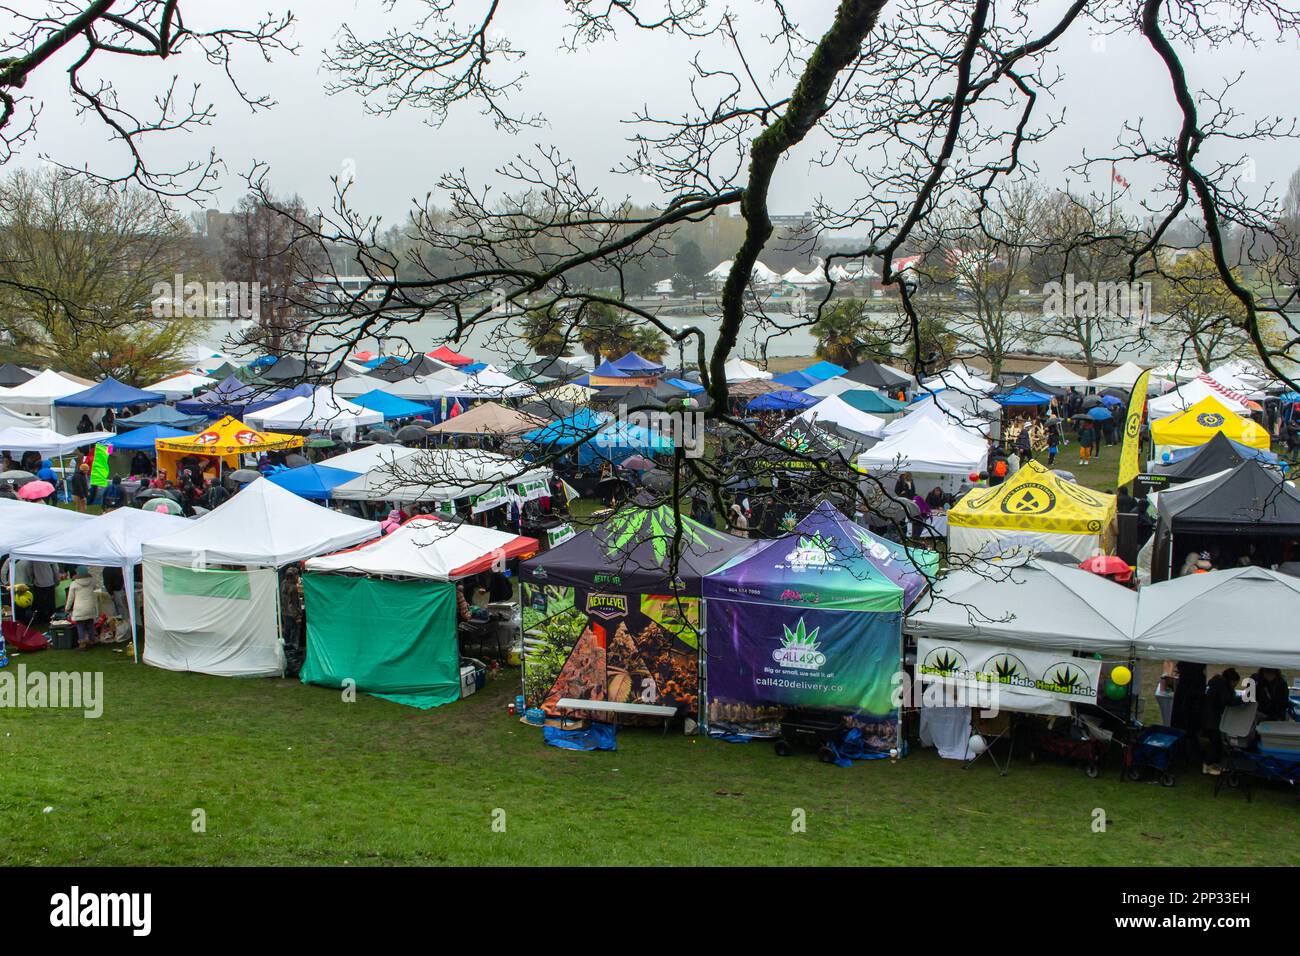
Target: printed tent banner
807	621
613	613
1207	418
1037	508
410	654
986	671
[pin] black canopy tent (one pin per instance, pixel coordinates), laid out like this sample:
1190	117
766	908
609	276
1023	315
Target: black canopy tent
1250	513
874	375
11	375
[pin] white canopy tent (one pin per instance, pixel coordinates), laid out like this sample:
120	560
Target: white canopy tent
960	378
927	448
321	411
10	419
1179	370
1058	376
795	277
442	474
25	522
1185	396
1240	615
110	540
421	548
738	370
1124	376
1031	604
36	396
182	386
839	412
364	459
489	383
355	385
832	386
47	442
948	411
211	589
1242	376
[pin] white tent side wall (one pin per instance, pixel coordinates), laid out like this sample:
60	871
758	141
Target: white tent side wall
965	543
227	626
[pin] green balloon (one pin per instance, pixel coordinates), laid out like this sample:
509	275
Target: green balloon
1115	691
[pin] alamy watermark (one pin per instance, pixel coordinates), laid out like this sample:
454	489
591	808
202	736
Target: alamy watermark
1095	300
58	690
176	297
684	427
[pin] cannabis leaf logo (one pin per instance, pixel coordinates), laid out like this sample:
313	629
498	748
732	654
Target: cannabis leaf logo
800	638
945	663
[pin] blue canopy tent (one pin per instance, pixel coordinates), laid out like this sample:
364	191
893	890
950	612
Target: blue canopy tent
390	406
227	397
161	415
598	436
784	401
870	401
633	364
142	439
690	388
110	393
1020	397
797	380
316	482
608	369
824	370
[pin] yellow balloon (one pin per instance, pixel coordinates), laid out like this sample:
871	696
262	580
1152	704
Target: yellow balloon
1121	675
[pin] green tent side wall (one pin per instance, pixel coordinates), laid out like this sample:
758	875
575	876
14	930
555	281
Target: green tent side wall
396	639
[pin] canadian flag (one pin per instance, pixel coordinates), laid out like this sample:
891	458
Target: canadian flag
1118	178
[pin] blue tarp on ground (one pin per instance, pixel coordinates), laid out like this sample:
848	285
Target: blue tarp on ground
390	406
596	737
143	438
110	393
785	401
316	482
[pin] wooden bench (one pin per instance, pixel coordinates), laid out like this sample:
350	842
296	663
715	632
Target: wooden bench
617	707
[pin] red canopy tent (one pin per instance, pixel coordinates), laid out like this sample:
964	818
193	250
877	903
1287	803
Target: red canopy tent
443	354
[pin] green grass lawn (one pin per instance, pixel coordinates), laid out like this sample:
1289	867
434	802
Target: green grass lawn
289	774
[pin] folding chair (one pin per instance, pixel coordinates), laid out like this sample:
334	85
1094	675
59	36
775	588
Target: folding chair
993	730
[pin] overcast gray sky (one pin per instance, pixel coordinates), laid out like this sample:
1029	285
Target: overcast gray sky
309	136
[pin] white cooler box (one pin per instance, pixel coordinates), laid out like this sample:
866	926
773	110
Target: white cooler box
473	674
1279	735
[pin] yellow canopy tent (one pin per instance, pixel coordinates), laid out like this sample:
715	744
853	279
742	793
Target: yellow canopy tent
223	441
1198	424
1035	509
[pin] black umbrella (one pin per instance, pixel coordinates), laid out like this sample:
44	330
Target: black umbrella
294	460
244	475
409	433
382	438
1081	418
1091	400
156	493
17	478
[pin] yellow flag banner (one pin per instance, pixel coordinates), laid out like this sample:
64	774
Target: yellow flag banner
1131	450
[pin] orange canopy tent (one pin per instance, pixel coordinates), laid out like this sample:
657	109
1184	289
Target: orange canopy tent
221	442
